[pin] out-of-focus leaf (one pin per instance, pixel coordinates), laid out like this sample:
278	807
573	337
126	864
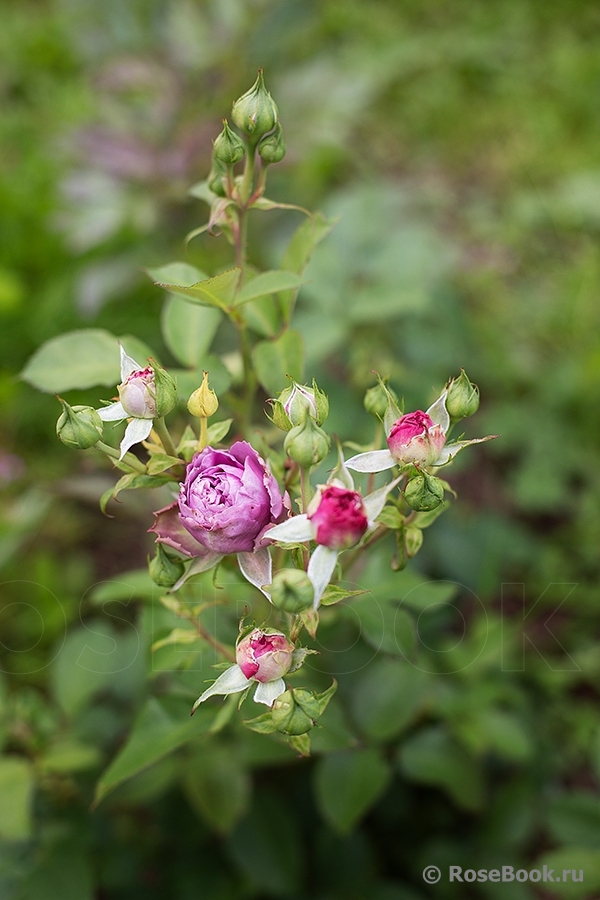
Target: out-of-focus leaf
217	785
576	859
61	872
347	784
299	251
76	360
274	360
262	316
16	789
267	847
70	756
188	380
432	756
388	697
574	818
155	733
124	587
384	625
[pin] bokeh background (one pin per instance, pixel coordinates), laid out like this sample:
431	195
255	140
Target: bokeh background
459	143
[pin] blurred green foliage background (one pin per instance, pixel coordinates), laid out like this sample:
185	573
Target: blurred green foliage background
459	142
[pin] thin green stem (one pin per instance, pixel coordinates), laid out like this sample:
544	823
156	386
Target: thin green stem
129	459
203	442
165	438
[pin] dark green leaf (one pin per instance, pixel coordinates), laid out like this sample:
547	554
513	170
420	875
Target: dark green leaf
155	734
388	698
347	784
433	757
217	785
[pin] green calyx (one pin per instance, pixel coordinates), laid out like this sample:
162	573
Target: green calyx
79	427
424	492
255	113
272	147
292	590
463	397
228	148
165	387
307	444
165	570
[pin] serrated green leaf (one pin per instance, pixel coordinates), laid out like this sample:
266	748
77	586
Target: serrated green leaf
334	593
275	360
266	283
155	733
218	291
347	784
160	462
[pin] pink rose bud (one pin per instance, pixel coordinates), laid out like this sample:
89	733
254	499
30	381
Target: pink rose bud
415	439
138	394
338	516
264	655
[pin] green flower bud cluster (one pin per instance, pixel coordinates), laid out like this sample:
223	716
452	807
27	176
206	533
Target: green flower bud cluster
79	427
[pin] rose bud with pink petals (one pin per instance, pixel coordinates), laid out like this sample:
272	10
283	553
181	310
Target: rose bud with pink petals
264	655
138	394
414	438
338	516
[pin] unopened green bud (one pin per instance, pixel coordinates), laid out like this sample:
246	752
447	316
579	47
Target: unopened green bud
165	388
203	403
463	397
255	112
272	147
217	178
79	427
424	492
376	399
228	148
292	590
165	570
413	540
295	401
288	715
306	444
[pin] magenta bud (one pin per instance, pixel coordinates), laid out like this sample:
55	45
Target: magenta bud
338	516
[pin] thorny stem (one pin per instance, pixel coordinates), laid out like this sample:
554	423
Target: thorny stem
129	458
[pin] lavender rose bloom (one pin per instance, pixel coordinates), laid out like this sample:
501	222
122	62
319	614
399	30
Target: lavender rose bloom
227	501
